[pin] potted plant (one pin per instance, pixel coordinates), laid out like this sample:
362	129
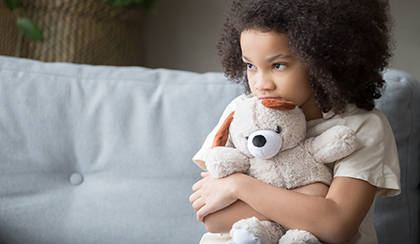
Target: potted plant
108	32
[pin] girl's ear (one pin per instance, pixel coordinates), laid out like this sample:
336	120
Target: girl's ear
222	135
278	105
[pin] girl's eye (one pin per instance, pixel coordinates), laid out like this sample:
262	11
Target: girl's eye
279	66
250	66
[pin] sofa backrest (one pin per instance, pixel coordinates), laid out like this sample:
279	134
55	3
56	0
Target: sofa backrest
100	154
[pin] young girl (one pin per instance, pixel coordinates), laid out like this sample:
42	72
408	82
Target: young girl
326	56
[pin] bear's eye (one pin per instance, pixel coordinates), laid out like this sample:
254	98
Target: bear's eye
278	129
264	144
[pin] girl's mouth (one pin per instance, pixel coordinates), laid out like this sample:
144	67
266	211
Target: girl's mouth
273	98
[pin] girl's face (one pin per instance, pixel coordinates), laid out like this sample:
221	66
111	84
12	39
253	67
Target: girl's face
273	72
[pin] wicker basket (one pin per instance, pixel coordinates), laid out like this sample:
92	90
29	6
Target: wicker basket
78	31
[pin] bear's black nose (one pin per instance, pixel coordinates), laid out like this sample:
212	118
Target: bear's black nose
259	141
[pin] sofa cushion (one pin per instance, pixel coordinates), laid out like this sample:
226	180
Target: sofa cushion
98	154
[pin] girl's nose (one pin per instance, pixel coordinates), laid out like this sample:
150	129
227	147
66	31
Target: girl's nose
264	83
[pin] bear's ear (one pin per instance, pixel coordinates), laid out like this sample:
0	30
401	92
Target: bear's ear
222	135
278	105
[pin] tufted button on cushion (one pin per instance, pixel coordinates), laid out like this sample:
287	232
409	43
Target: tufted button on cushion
76	179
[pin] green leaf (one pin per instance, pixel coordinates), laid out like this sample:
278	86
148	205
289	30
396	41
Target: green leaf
30	29
12	4
149	5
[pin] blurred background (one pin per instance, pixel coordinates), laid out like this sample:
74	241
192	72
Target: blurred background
176	34
182	34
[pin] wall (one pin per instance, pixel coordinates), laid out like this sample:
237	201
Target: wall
406	14
182	34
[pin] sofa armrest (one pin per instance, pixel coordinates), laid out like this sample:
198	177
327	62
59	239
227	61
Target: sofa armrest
396	219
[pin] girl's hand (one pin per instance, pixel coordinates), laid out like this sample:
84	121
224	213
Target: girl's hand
211	195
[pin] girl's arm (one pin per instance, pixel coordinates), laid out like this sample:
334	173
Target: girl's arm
222	220
333	219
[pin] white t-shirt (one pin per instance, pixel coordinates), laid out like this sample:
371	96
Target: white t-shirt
375	159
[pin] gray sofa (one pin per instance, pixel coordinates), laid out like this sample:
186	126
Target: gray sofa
96	154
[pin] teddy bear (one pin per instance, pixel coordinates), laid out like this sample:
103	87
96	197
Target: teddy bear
266	140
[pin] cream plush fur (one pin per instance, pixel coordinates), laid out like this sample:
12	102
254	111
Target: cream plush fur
280	156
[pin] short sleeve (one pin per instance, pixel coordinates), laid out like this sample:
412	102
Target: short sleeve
376	158
200	157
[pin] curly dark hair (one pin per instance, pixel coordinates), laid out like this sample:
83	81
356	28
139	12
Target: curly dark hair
345	45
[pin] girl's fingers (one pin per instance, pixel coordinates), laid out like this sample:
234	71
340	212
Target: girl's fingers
197	185
202	213
198	204
210	195
194	197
